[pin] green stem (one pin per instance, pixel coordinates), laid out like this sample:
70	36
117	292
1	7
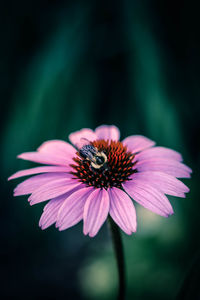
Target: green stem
118	248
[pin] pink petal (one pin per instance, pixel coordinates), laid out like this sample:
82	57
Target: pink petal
45	158
37	170
163	182
108	132
50	212
58	148
85	133
95	211
137	143
30	185
149	197
158	152
122	210
169	166
53	189
71	212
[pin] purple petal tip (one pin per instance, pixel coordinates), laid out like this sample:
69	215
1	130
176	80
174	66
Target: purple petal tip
169	214
92	235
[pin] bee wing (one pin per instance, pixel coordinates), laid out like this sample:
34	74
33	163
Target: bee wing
82	143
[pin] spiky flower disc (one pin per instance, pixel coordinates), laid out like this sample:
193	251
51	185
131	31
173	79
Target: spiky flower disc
119	166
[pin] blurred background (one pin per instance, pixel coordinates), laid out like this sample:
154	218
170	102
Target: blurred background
72	64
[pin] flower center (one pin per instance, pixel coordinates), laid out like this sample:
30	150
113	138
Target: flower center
107	164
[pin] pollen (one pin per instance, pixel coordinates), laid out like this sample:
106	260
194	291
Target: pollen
118	169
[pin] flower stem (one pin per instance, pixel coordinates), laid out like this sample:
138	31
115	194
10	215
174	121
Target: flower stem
118	248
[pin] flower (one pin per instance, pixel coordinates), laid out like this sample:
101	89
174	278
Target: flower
98	176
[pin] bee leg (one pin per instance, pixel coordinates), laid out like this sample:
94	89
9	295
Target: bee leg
92	169
105	168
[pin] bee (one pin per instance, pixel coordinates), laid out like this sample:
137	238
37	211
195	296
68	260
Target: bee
98	159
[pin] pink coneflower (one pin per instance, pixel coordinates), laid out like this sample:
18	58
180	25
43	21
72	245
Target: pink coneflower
99	176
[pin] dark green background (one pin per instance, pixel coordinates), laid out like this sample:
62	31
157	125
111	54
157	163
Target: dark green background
68	65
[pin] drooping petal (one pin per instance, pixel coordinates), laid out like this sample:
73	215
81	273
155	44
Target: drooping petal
58	148
85	133
163	182
161	152
38	170
149	197
51	209
108	132
30	185
52	190
168	166
71	212
95	211
45	158
137	143
122	210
